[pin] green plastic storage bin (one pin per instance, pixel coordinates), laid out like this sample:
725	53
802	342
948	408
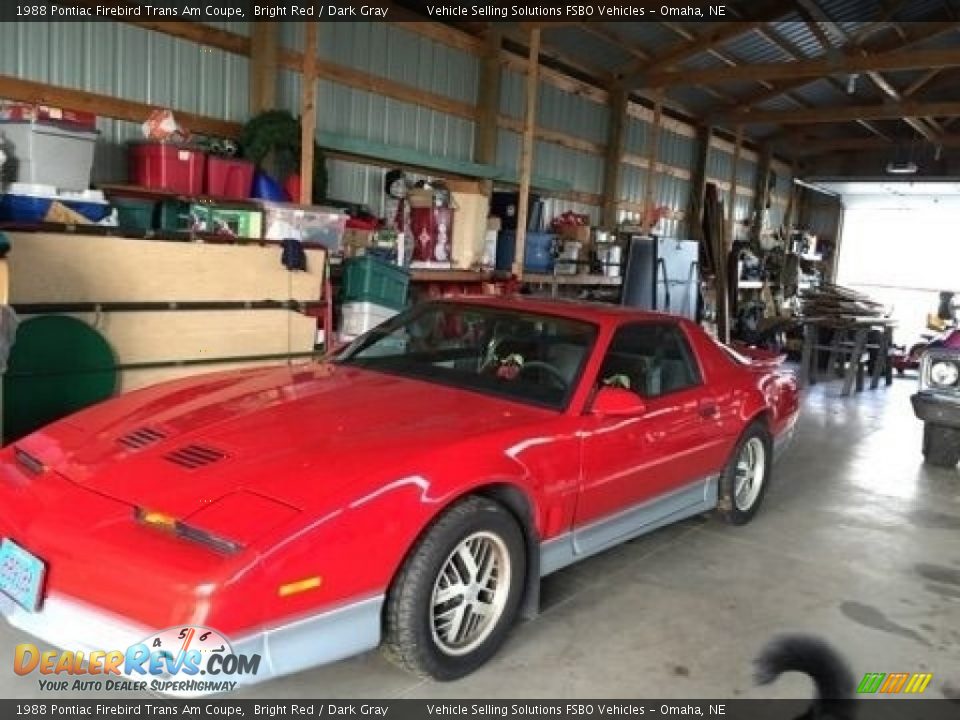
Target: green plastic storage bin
368	279
174	216
135	213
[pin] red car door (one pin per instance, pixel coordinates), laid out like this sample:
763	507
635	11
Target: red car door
641	472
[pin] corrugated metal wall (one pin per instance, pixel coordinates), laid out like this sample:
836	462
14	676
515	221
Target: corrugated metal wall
150	67
397	54
129	62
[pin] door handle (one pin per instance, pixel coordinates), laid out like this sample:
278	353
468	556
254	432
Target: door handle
708	408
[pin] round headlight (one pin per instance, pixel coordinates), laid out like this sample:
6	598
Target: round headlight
944	373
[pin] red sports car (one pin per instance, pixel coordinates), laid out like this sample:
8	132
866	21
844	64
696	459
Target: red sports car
409	491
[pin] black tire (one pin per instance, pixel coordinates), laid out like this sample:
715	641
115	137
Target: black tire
941	445
408	639
727	508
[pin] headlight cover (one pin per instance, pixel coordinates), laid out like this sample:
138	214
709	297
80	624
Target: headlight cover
940	372
944	373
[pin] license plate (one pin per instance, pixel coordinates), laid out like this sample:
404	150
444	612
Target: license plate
21	575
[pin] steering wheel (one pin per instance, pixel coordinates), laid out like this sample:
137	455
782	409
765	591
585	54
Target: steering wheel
552	372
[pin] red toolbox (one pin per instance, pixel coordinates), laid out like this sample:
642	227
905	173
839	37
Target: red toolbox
176	167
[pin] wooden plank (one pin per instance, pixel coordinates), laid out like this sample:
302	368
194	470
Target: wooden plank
761	196
293	60
819	67
308	111
554	136
526	151
700	182
732	195
59	268
845	113
263	48
171	336
28	91
614	159
488	99
720	33
653	152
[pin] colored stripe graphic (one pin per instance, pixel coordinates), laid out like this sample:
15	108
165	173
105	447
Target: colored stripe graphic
894	682
870	683
918	683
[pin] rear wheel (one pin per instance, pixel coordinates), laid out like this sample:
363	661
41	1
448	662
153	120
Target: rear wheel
941	445
457	594
744	480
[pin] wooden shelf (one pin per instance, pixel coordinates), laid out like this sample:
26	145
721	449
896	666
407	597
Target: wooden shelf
598	280
464	276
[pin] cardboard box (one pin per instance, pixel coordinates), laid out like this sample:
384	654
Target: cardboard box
576	233
470	229
355	242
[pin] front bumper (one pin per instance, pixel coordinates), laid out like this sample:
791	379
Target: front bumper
285	648
936	409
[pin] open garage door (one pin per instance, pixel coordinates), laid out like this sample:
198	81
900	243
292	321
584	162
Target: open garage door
901	245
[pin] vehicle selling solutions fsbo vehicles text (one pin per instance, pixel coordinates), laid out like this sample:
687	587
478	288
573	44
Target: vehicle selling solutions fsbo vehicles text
319	11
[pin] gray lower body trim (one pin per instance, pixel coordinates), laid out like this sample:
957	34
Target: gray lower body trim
315	640
297	645
783	441
587	540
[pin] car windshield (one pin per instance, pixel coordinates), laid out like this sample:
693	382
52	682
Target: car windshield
523	356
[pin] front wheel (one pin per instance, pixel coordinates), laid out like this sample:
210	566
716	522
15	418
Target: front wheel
941	445
457	594
744	480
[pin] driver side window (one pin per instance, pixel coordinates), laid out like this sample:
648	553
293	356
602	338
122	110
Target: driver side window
651	359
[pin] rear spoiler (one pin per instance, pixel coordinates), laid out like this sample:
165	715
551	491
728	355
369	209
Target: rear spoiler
757	357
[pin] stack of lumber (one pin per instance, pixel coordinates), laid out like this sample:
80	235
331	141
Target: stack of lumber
164	340
836	302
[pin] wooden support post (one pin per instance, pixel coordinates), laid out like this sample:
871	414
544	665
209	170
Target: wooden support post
699	183
488	100
526	151
308	111
761	195
791	201
614	157
653	154
732	197
264	53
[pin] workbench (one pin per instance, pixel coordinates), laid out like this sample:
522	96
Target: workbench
851	340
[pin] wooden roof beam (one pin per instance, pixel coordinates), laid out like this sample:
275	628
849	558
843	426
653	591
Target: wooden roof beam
718	35
850	113
820	67
821	147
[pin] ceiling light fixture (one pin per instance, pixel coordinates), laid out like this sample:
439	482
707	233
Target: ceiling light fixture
902	168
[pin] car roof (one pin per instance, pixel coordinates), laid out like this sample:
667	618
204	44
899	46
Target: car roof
594	312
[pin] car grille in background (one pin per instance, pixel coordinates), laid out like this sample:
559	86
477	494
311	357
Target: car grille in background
139	439
28	461
192	457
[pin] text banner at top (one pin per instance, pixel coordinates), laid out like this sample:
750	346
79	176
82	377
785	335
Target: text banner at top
542	11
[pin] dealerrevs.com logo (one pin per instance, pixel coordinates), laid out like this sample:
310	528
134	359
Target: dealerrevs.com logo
184	661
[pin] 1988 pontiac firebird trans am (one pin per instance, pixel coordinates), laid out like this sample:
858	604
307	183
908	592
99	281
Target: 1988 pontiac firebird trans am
408	491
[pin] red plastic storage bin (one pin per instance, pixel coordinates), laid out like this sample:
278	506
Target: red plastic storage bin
167	166
229	177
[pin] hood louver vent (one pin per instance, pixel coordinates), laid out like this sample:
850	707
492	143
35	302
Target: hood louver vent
192	457
139	439
28	462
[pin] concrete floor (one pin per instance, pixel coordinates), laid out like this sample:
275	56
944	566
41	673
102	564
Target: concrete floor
857	541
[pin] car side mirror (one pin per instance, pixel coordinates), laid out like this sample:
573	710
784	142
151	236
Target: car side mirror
617	402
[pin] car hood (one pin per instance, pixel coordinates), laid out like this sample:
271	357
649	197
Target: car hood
289	434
